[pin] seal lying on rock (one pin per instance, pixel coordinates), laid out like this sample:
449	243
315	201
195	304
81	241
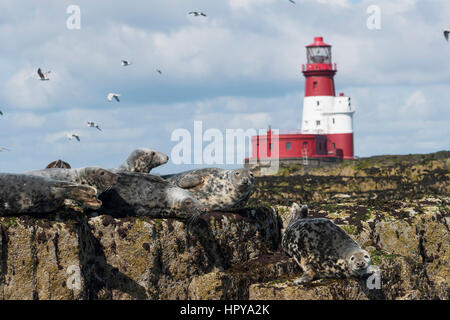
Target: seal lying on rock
322	249
149	195
22	194
58	164
142	160
98	178
217	189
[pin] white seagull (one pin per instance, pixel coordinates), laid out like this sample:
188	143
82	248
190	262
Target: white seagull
43	76
4	149
73	135
113	95
92	124
196	14
126	63
446	33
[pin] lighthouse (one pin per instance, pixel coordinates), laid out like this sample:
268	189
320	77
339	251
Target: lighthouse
323	112
326	133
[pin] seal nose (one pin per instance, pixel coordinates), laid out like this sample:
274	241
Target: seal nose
245	181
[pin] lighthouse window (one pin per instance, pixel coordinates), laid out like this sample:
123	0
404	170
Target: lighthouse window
319	55
334	146
318	103
334	121
317	122
288	146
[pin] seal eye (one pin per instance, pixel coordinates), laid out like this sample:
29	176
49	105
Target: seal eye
352	258
366	256
237	173
102	173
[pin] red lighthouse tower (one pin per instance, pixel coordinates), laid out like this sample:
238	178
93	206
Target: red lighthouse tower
323	112
319	73
327	120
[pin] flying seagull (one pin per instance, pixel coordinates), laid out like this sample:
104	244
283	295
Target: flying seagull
43	76
126	63
92	124
4	149
1	113
446	33
113	95
73	135
195	13
292	1
159	71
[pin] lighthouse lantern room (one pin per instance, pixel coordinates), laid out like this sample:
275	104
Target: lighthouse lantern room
327	119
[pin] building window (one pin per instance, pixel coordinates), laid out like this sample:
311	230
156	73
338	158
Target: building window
305	145
288	146
334	121
334	146
317	122
318	103
270	146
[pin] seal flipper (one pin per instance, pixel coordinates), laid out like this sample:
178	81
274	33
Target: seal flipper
189	181
86	196
297	213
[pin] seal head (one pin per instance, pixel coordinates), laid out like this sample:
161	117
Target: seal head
242	179
143	160
358	261
217	189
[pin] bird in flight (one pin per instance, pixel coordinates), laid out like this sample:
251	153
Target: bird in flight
292	1
113	95
92	124
196	14
43	76
446	33
1	113
73	135
4	149
159	71
126	63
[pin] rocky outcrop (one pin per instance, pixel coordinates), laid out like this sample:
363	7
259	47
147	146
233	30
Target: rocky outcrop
72	256
400	215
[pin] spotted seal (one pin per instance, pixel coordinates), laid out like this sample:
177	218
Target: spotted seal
149	195
142	160
58	164
218	189
98	178
322	249
22	194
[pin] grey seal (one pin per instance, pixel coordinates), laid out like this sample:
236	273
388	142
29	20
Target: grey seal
145	194
322	249
22	194
142	160
218	189
98	178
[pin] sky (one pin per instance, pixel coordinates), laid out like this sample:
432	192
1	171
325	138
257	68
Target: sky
240	67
